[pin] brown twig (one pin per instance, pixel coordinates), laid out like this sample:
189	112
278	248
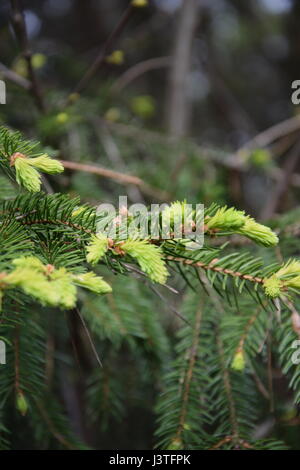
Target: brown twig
19	26
14	77
218	269
57	435
273	133
283	183
119	177
139	69
220	443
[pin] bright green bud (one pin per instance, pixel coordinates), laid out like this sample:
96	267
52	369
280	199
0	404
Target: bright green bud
20	67
226	219
113	114
291	268
29	262
97	248
238	362
26	175
293	282
61	283
260	157
73	97
173	213
149	258
21	403
62	118
33	283
139	3
43	282
46	164
258	233
116	58
272	286
143	105
175	444
38	60
92	282
78	211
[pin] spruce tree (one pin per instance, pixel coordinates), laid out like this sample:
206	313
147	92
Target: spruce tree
61	277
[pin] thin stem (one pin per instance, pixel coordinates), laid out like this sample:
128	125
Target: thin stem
100	59
117	176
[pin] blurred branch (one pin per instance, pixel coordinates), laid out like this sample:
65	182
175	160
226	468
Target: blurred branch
271	134
14	77
114	155
119	177
177	112
219	157
100	59
138	70
283	183
19	26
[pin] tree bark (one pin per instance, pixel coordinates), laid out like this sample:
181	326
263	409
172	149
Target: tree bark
178	108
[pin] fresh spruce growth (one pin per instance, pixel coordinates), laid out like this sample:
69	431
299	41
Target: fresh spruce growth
226	219
287	277
149	257
58	270
22	160
238	362
97	248
50	286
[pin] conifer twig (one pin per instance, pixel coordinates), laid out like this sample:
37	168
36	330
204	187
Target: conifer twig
210	266
117	176
139	69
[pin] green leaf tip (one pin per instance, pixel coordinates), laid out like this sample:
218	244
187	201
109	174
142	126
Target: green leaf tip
238	362
27	174
288	276
226	219
149	257
259	233
97	248
49	285
92	282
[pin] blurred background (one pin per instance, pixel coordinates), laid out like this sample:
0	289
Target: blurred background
189	99
205	77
